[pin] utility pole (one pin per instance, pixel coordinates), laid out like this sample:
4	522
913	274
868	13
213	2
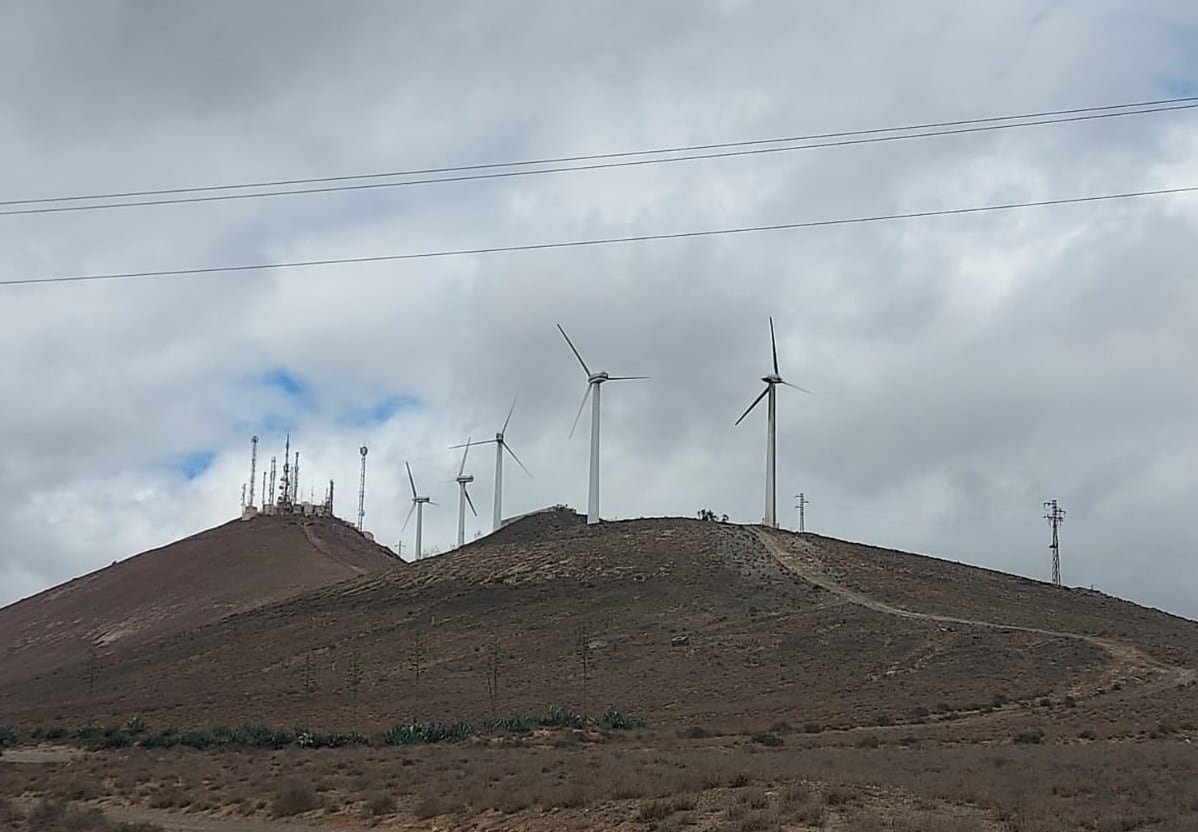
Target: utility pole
1055	515
801	503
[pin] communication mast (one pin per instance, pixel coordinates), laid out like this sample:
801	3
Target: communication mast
1055	515
253	466
295	492
272	480
801	503
285	481
362	490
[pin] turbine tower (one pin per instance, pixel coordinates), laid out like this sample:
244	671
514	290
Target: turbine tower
501	445
418	507
771	446
362	490
463	480
594	383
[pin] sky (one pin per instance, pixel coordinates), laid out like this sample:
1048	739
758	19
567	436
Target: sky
962	369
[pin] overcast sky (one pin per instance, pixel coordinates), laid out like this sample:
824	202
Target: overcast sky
963	369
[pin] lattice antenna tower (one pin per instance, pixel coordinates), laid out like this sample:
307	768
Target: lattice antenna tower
272	478
362	490
253	466
285	480
1055	515
295	492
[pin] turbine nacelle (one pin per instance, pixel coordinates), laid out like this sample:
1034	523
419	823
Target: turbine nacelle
462	480
598	378
773	378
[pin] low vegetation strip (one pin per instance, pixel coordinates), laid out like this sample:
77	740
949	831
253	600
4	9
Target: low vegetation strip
136	734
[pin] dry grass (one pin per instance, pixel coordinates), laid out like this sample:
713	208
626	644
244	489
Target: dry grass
294	797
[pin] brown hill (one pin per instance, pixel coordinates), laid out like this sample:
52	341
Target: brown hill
181	587
684	621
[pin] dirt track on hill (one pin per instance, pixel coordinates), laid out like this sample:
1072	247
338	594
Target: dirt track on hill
1126	659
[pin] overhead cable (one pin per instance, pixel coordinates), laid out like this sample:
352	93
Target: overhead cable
600	241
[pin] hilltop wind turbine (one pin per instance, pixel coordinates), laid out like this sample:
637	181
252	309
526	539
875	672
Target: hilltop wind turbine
501	445
771	448
418	507
463	480
594	382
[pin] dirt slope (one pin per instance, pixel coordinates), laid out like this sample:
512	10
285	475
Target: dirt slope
178	588
685	621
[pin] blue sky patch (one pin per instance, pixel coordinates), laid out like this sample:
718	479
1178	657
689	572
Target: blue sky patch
193	464
1181	87
282	379
382	410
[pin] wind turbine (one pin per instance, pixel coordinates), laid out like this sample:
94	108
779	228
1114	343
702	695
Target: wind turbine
418	507
771	448
594	382
463	480
501	445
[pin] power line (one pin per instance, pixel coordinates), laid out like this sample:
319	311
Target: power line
565	244
601	161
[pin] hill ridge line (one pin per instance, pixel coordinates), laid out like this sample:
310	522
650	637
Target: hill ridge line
1124	656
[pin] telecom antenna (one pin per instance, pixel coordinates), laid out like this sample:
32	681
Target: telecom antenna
295	492
243	496
595	382
801	503
362	490
329	502
771	441
263	488
272	479
285	481
253	466
1055	515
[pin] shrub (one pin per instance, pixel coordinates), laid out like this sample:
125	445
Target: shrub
1034	736
8	736
770	740
418	733
869	741
813	728
695	732
294	797
559	717
654	811
378	803
620	721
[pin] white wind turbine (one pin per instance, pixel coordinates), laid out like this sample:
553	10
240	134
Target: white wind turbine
501	445
463	480
771	449
418	507
594	383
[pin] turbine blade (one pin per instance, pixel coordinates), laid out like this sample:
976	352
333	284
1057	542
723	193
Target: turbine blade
797	387
471	442
625	378
470	502
465	453
411	479
509	414
508	448
774	345
408	519
574	349
753	405
581	407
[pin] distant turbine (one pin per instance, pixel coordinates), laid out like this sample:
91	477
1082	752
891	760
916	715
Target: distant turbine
771	449
418	507
463	480
594	381
500	446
